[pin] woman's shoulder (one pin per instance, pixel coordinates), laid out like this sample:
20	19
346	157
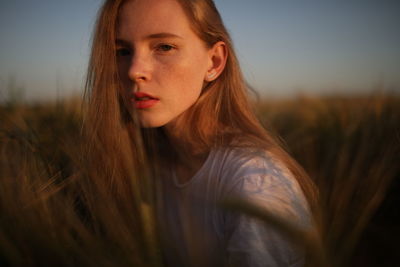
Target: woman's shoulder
245	162
257	175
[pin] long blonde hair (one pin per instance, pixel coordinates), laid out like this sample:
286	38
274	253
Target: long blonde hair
221	114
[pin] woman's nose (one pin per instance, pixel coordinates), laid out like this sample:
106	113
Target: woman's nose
139	69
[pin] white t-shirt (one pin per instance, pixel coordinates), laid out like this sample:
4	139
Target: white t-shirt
198	232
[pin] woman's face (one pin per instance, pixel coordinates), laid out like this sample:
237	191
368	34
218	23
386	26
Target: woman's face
162	63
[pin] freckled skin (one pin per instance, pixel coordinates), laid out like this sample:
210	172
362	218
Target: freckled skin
171	69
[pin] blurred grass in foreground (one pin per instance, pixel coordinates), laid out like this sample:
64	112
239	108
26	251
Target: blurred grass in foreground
349	146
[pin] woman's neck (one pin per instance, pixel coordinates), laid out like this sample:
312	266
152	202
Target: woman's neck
187	160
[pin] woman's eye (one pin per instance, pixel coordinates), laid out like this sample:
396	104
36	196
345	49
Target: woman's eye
122	52
164	47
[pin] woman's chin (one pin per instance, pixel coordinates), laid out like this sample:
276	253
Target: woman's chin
151	123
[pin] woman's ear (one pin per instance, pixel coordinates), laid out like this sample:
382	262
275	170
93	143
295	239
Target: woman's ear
218	55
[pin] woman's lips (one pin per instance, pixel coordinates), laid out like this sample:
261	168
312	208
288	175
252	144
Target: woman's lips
142	104
143	100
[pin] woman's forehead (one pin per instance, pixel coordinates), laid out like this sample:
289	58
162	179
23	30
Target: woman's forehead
141	18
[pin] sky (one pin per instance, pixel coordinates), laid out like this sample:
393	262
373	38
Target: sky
285	47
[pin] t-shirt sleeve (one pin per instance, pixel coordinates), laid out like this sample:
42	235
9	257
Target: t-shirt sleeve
250	242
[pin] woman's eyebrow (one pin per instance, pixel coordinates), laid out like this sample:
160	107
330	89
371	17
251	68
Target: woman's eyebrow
162	35
121	42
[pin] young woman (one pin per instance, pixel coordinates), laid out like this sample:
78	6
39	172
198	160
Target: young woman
165	71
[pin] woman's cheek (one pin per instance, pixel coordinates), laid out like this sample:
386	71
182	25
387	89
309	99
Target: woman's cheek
183	71
176	68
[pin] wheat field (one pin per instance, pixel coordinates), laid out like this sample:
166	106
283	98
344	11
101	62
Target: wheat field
349	145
